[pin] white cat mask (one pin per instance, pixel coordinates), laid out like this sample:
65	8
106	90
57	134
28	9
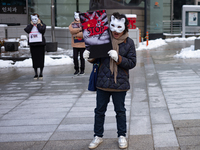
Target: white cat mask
34	19
117	25
76	16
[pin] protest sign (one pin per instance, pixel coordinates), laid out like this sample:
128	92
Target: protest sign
96	33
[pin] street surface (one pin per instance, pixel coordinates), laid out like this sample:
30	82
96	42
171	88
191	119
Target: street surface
57	113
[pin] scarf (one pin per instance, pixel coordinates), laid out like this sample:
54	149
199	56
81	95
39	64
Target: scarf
115	44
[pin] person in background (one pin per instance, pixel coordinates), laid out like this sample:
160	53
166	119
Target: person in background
37	42
113	80
77	43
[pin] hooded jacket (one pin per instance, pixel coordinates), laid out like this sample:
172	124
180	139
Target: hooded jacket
126	61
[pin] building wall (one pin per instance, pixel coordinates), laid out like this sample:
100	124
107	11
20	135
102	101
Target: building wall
19	19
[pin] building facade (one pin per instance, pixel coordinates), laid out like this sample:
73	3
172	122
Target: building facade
155	16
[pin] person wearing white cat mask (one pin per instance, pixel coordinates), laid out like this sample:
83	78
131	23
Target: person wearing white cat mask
78	44
113	79
37	42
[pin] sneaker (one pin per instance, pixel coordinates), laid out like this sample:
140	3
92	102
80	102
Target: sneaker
40	76
95	142
82	73
122	142
76	72
35	77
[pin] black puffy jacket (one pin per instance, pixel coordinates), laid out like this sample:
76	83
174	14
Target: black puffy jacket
41	28
126	61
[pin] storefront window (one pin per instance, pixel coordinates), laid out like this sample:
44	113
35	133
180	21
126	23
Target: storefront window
115	4
64	10
155	17
178	7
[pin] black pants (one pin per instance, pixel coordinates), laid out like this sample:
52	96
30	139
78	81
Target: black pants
75	57
103	98
37	54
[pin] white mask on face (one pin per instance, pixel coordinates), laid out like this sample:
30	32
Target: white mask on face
117	25
34	19
76	16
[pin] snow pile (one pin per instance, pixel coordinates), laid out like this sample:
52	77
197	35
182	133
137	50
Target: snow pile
188	52
176	39
50	60
151	45
62	56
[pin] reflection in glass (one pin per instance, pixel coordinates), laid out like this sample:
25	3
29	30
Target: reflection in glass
113	4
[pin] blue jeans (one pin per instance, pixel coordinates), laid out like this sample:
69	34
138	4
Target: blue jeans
103	98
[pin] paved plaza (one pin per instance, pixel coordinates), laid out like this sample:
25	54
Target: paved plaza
57	113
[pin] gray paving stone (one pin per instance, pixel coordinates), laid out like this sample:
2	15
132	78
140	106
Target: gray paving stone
22	145
140	125
163	128
191	116
191	147
30	121
24	137
192	131
185	110
189	140
40	110
72	135
141	142
168	148
35	116
160	115
186	123
140	108
28	129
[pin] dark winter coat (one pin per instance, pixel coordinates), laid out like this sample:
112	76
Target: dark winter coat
41	28
126	61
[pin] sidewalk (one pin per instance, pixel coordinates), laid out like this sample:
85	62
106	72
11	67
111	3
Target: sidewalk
56	113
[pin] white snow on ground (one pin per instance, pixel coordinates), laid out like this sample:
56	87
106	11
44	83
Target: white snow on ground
152	44
52	60
188	52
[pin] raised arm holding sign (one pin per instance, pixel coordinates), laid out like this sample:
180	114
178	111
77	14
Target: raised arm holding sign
96	33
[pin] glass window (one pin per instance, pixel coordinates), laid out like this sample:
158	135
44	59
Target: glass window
178	7
64	10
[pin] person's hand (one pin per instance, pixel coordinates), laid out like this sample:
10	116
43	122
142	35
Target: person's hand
113	54
86	54
38	22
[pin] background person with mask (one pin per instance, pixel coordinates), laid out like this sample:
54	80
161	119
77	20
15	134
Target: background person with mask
78	44
37	42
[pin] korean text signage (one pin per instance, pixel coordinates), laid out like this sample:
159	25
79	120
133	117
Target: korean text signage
13	7
96	33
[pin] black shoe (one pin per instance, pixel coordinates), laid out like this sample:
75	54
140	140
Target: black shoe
76	72
35	77
40	76
81	73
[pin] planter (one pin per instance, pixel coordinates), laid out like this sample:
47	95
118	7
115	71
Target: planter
51	46
11	46
196	44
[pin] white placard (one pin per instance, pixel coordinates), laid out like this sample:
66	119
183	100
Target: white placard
35	35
